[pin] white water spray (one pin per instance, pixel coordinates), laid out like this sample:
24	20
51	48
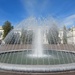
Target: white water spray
38	43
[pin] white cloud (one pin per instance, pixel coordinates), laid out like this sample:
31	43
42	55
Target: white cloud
69	21
33	7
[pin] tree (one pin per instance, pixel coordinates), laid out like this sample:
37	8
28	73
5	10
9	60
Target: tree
7	28
64	35
23	36
53	35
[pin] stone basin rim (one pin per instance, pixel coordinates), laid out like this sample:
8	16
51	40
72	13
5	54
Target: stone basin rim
37	68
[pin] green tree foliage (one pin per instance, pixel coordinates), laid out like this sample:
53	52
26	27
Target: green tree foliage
64	35
53	35
23	36
7	28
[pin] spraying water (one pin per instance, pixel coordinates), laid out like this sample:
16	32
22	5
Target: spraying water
38	48
31	31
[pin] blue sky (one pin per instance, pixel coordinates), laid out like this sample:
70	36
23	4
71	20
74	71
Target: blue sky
17	10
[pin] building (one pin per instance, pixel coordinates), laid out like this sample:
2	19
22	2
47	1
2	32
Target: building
60	36
71	36
45	40
70	33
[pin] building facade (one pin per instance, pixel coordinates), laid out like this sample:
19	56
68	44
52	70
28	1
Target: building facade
60	36
70	33
71	36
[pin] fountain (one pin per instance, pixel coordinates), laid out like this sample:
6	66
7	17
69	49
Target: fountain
24	48
37	44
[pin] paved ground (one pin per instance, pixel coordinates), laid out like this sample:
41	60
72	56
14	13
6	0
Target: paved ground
19	73
52	47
